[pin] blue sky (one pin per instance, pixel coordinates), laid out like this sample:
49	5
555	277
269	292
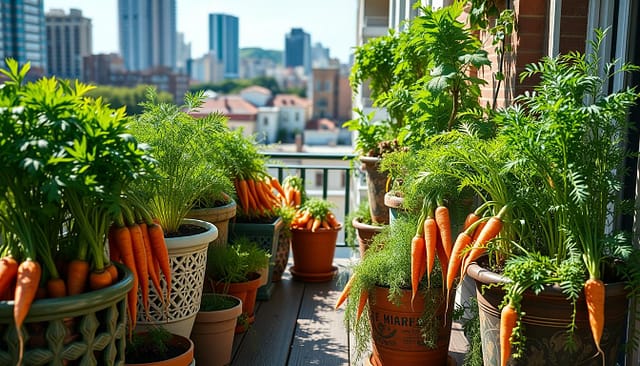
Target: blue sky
263	23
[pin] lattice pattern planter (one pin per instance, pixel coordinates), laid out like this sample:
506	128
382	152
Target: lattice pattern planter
188	258
86	329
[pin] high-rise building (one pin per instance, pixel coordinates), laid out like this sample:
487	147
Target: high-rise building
68	41
297	50
224	42
320	56
147	33
22	32
183	53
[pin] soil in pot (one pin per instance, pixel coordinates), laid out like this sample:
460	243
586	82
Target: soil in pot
159	347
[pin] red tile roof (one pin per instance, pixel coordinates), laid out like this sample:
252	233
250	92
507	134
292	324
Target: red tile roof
290	100
320	124
232	106
256	89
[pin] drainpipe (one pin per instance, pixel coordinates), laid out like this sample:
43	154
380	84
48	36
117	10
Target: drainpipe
553	32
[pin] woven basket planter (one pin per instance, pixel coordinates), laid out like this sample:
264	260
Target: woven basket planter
188	259
85	329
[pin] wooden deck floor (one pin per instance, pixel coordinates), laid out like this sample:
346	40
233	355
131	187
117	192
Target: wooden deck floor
298	326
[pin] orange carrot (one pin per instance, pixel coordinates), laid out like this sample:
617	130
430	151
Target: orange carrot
142	268
462	242
594	293
297	197
252	192
470	219
430	243
160	253
306	216
8	272
508	321
418	259
444	226
345	292
113	271
122	238
325	225
444	260
77	276
152	268
99	279
242	199
316	224
276	184
56	288
332	220
27	283
364	296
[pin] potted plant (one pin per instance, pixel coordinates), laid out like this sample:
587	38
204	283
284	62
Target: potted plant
215	204
407	318
176	139
214	328
362	230
235	270
159	347
70	157
313	242
551	181
423	78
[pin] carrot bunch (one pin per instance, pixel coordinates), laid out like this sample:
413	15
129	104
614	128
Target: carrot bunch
293	191
258	195
432	241
139	244
315	214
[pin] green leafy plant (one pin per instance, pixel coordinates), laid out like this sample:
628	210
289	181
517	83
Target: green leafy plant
388	264
179	143
421	77
235	262
71	158
151	346
363	215
214	302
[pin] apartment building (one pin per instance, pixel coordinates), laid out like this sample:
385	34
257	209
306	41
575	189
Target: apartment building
69	37
147	30
22	33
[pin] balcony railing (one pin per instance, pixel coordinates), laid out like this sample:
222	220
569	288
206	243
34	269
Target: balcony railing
342	187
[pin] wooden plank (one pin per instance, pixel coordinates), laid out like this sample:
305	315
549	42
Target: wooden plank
320	338
268	341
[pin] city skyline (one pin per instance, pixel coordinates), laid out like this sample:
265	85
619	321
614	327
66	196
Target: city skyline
262	24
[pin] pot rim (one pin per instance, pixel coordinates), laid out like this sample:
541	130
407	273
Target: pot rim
320	229
74	305
204	238
360	225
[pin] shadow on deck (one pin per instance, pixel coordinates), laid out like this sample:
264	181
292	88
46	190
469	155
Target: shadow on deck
298	326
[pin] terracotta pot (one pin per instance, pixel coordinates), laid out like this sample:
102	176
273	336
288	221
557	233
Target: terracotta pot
282	255
365	234
547	317
376	188
219	216
396	335
395	205
213	333
313	254
183	359
188	259
246	292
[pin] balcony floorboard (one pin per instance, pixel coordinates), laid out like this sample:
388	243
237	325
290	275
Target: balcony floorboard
298	326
